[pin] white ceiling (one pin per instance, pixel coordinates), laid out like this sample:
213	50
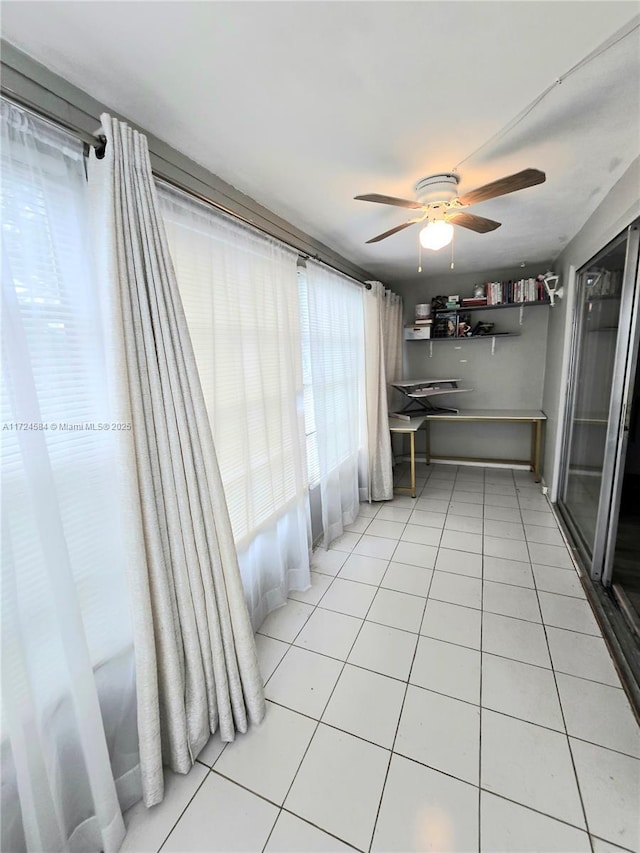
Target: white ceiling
303	105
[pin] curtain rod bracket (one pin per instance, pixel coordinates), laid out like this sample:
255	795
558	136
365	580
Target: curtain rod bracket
100	146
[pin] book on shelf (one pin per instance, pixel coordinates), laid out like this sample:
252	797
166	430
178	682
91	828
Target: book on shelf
515	292
422	322
472	302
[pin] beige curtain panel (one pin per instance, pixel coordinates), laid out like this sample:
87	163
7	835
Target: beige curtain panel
196	663
380	484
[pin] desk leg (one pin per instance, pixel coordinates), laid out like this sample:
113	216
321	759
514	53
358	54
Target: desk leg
532	453
412	438
537	450
427	442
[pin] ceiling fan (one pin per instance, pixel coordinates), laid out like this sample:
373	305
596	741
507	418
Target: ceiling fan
438	201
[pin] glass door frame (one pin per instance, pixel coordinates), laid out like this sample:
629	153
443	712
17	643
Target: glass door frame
619	414
613	462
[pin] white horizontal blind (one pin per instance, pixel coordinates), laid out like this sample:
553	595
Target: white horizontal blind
69	736
335	408
239	291
52	307
311	440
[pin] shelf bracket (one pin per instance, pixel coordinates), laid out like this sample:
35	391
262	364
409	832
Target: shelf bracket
521	314
493	345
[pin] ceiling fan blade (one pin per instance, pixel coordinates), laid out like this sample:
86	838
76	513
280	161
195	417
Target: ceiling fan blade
389	199
519	181
474	223
392	231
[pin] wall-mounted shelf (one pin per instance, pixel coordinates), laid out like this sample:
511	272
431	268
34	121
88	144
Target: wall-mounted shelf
488	337
498	335
474	308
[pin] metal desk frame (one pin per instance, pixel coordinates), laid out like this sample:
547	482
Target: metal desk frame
536	419
410	428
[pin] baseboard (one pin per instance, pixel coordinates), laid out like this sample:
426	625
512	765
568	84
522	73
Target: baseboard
467	464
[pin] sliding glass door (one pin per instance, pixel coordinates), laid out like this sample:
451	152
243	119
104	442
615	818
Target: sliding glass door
594	425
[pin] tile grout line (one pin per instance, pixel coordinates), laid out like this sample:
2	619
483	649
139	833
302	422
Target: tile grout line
180	816
459	646
420	764
395	737
386	775
480	691
326	705
564	720
280	809
448	571
447	696
407	682
290	644
444	600
466	607
317	722
378	587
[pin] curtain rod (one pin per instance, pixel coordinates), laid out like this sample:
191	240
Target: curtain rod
98	141
95	140
46	93
302	256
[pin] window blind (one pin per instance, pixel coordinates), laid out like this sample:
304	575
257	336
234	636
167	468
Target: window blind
239	291
53	381
332	323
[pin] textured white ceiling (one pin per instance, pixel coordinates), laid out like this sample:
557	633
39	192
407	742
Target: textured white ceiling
303	105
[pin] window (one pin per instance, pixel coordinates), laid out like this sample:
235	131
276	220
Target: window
240	295
59	509
332	322
311	438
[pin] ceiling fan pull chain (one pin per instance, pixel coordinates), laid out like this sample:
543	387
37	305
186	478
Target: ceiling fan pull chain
419	255
453	240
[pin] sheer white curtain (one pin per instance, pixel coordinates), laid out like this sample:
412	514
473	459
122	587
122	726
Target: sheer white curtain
68	734
240	294
333	336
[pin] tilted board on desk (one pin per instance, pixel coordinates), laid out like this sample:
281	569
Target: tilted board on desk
491	415
412	425
434	392
420	383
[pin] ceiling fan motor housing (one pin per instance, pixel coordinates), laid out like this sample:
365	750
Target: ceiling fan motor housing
436	188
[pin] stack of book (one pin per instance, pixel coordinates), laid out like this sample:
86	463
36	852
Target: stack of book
510	292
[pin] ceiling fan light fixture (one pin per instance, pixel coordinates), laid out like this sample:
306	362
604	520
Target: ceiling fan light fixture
436	235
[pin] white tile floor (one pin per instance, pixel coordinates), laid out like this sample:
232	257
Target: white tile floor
442	686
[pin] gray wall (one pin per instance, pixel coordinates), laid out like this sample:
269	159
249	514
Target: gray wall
617	210
512	378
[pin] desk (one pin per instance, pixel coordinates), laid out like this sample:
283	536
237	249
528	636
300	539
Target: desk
410	428
508	416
